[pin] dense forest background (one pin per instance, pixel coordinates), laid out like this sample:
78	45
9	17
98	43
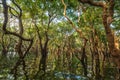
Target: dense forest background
59	39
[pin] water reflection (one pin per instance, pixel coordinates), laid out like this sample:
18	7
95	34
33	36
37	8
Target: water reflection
69	76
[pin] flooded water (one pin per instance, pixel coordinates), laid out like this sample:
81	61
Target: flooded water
69	76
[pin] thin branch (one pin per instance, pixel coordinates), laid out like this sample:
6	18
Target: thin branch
74	27
38	33
31	42
20	14
53	17
17	35
12	12
10	9
93	3
5	31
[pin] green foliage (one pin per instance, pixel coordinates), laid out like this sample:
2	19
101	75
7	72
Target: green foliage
47	15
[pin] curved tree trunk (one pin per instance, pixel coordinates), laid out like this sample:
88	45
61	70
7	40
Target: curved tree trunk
20	52
19	35
112	42
107	17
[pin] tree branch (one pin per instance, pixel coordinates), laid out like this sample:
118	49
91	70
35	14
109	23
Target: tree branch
17	35
74	27
5	31
5	12
38	33
93	3
10	9
20	14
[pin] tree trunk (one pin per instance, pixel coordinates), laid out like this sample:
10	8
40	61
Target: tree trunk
107	20
107	17
84	61
43	59
20	52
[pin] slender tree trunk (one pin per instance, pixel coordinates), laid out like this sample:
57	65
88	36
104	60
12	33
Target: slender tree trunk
20	52
43	60
84	61
107	17
114	50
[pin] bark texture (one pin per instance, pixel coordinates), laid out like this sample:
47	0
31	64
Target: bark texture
107	17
